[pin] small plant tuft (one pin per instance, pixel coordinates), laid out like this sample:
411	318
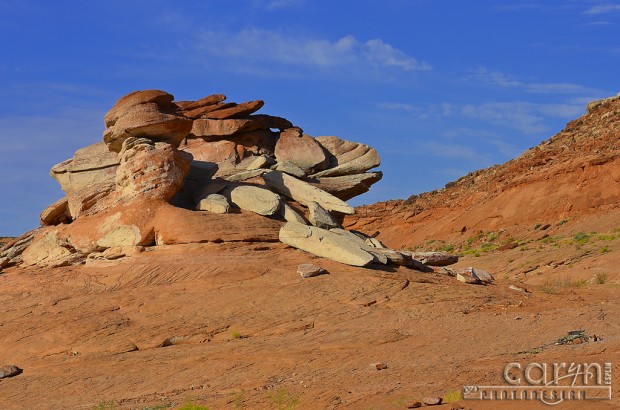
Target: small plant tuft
192	405
601	278
284	400
453	396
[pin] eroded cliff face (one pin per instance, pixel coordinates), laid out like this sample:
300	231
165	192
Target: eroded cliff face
571	181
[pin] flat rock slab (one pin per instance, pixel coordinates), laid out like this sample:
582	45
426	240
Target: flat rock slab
346	187
176	226
238	110
304	193
325	244
435	258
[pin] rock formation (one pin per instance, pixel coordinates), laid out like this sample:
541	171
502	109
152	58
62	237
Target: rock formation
172	172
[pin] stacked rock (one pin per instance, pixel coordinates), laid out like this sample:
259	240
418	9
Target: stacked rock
161	159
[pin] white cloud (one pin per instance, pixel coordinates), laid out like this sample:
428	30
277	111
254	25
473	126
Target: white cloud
503	80
452	151
254	46
523	116
603	9
384	54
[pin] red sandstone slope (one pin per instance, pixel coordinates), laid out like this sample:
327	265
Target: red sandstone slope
571	181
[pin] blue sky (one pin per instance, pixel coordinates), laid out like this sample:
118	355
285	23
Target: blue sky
440	88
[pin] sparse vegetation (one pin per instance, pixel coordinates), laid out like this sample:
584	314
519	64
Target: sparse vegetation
601	278
453	396
448	248
283	400
239	401
234	334
192	405
107	405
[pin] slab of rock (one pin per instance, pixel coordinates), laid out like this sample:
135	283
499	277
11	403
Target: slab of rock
202	112
435	258
157	97
346	157
379	257
432	401
177	226
258	200
346	187
474	276
206	128
89	165
301	150
51	250
305	193
206	101
215	151
147	120
323	243
214	203
9	371
239	110
244	175
291	169
56	213
290	215
397	258
308	270
320	218
256	162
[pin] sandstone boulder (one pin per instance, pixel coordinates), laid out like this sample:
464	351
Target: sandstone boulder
56	213
323	243
301	150
89	166
346	187
151	170
252	198
157	97
147	120
304	193
346	157
214	203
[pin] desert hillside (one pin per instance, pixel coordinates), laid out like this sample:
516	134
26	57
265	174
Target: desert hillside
202	259
568	184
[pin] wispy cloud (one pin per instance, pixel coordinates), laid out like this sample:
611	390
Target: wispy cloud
283	4
526	117
497	78
603	9
252	46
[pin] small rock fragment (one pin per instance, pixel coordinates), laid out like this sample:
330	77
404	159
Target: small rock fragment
413	405
432	401
308	270
9	371
379	366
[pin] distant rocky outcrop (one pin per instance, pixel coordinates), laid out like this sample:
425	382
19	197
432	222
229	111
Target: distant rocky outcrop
171	173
